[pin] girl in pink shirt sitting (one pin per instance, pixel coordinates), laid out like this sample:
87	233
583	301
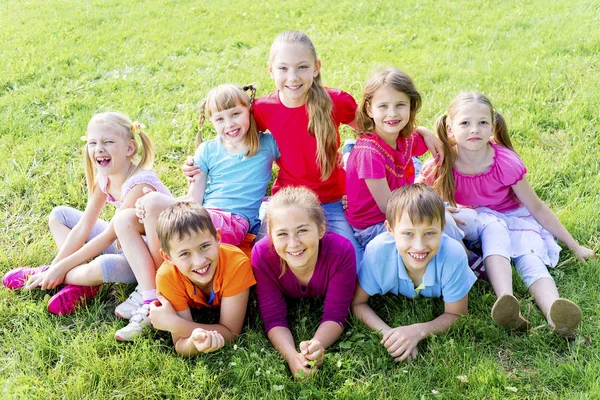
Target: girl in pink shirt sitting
481	170
381	160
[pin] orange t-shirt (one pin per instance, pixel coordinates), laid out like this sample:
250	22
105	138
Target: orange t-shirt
232	276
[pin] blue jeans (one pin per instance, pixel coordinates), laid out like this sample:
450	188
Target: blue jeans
337	223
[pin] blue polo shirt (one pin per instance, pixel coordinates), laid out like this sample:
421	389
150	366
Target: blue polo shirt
447	275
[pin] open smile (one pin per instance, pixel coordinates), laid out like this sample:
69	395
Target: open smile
233	133
202	271
393	122
421	256
296	254
294	88
103	161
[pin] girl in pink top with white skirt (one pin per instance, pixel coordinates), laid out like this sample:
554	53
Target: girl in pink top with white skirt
482	171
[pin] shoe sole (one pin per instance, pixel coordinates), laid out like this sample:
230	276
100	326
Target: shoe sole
566	316
506	312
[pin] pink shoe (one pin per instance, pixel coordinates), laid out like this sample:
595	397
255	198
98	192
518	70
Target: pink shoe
16	277
69	297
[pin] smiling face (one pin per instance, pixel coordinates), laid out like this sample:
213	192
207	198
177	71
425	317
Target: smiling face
232	124
108	149
418	243
293	66
471	126
295	237
390	111
196	256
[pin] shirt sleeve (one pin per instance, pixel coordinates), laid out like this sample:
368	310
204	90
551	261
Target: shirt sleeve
273	148
342	283
509	166
418	147
259	115
171	287
368	164
239	275
200	157
457	277
273	308
344	107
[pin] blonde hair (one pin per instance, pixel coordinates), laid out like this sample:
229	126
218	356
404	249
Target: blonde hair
182	220
301	198
120	123
400	82
441	175
419	201
319	106
227	96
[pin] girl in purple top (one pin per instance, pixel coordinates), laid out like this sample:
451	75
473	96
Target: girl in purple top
298	259
482	171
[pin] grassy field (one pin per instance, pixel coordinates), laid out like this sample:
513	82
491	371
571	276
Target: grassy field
63	61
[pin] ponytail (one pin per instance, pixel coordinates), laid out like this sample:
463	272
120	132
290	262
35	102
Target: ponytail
501	136
320	125
442	175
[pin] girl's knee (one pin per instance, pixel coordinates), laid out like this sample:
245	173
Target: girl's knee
125	221
58	215
154	203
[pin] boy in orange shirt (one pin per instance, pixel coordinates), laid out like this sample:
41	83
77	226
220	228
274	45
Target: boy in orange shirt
198	272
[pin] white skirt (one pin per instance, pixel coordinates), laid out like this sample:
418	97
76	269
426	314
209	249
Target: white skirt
526	234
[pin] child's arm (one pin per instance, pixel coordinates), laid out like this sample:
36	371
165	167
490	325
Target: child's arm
55	275
401	342
433	144
380	190
364	313
196	189
548	219
282	340
186	332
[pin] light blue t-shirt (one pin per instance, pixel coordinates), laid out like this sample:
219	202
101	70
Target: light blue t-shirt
236	183
447	275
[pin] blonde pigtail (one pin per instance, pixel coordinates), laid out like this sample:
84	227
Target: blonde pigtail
444	183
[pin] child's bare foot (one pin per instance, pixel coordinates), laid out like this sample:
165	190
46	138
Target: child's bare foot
507	313
565	316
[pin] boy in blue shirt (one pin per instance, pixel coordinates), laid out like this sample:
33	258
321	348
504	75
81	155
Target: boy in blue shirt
413	258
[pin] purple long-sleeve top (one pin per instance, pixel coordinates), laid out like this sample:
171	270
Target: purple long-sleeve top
334	279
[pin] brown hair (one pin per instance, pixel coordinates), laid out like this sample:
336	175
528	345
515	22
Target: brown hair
181	220
227	96
299	197
399	81
120	123
441	175
319	106
419	201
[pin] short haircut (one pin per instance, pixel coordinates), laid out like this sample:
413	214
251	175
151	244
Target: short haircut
419	201
182	220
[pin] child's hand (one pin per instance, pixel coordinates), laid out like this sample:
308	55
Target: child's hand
162	313
140	209
345	202
583	253
433	144
207	341
299	366
48	279
190	170
401	342
313	350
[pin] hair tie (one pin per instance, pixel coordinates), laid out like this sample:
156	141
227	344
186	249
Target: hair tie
136	127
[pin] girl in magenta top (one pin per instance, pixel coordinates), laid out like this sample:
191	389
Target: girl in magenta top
298	259
482	171
381	160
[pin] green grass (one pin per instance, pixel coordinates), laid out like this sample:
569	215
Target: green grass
62	61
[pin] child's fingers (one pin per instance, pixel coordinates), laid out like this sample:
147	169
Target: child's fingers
199	334
147	190
304	347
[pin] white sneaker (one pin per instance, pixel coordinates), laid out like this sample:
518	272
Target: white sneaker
139	319
133	302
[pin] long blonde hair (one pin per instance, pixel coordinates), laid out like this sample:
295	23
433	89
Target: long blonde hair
122	124
319	105
441	175
298	197
227	96
400	82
